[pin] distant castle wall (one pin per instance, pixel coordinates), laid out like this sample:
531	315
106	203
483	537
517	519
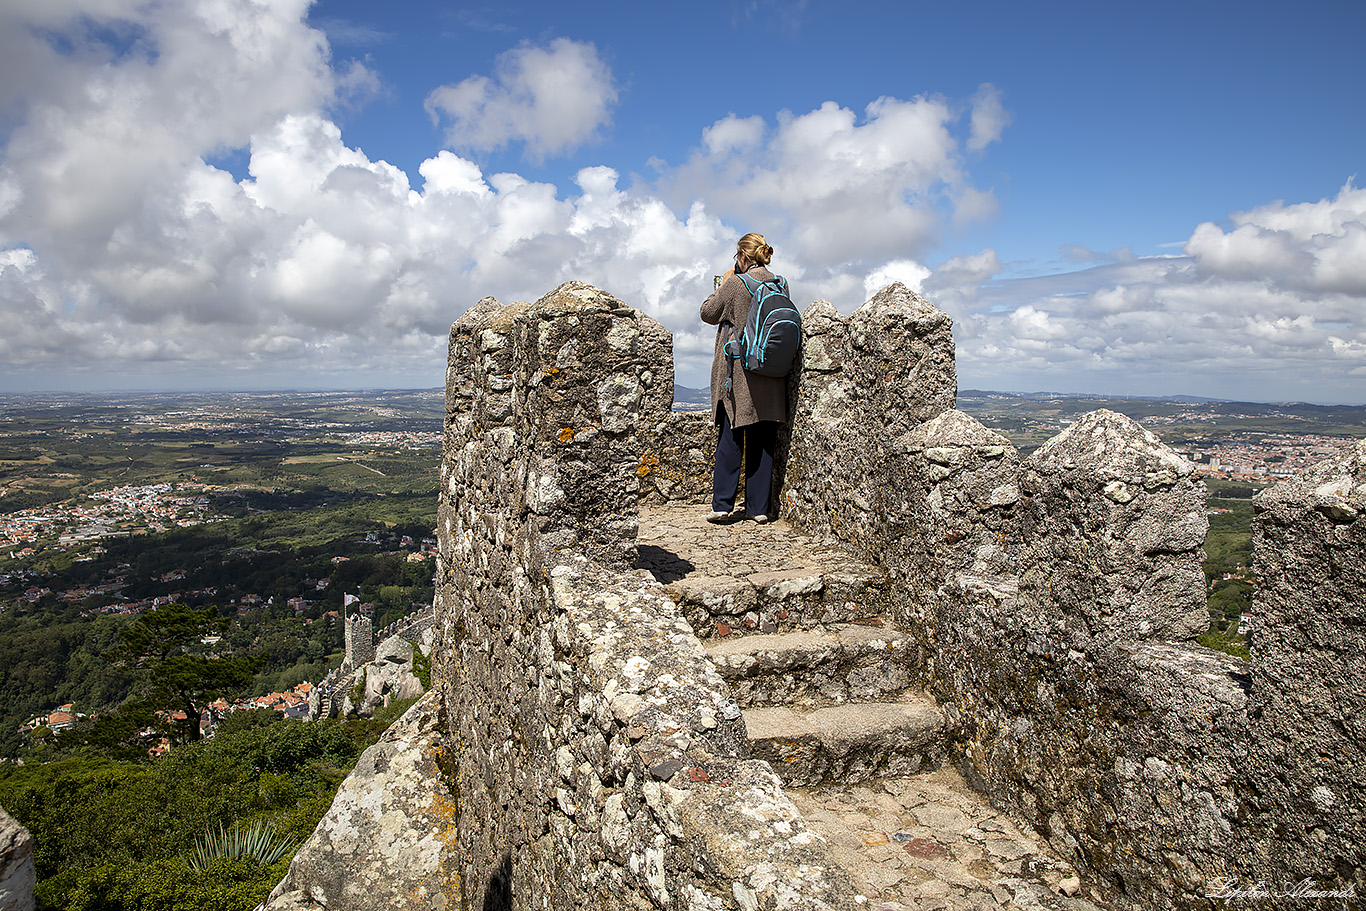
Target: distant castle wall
329	698
411	627
360	642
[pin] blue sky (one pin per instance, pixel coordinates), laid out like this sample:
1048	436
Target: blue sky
1148	200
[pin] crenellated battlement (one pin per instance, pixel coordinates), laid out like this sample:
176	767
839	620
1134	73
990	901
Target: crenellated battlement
607	688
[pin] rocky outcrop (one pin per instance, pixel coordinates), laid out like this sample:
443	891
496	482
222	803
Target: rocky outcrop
387	679
17	877
385	844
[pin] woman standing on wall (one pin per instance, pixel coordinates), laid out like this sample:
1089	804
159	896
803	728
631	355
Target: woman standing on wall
746	407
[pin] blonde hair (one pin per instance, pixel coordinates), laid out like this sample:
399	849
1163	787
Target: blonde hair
753	248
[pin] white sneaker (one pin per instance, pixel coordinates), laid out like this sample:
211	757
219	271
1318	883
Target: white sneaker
761	519
717	517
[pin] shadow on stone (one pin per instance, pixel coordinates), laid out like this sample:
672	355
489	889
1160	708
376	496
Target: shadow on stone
665	565
782	450
498	894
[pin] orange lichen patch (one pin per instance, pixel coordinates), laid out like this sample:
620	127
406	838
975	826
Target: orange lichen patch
648	463
566	434
444	814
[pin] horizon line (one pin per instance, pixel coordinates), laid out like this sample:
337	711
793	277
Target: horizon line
1177	398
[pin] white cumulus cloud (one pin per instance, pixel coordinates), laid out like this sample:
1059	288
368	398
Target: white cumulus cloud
1272	307
909	272
124	252
553	99
989	118
816	179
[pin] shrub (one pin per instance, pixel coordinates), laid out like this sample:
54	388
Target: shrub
258	841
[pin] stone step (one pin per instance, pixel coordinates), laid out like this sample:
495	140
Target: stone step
848	743
812	668
755	578
785	599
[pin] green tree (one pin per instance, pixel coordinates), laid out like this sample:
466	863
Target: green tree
166	649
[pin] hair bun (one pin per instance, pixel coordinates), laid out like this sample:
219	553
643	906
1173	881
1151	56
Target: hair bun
755	249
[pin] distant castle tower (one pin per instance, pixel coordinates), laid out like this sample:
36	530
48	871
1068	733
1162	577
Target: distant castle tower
360	642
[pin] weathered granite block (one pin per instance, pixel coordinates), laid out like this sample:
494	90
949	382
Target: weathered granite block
958	486
861	384
1307	736
572	377
902	352
680	451
1112	531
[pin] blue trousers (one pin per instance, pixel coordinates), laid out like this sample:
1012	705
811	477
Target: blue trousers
755	443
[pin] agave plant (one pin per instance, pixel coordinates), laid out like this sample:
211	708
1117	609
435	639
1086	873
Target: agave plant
258	840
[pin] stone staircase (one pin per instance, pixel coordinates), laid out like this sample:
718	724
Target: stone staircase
801	632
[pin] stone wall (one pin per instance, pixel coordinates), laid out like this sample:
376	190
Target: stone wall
594	756
864	383
387	675
680	451
413	627
1306	736
1056	601
1063	653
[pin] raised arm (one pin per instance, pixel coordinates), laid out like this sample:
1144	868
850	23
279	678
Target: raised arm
714	306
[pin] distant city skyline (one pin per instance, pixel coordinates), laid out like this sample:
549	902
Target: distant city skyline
1153	201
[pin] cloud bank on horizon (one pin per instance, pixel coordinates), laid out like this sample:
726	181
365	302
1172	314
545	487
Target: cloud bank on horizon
129	256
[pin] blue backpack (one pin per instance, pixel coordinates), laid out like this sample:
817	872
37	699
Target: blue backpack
773	333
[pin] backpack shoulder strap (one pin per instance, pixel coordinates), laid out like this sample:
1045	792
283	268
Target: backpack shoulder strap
763	287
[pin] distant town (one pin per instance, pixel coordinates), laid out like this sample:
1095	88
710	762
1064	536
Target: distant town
1264	460
274	508
122	510
290	704
280	511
